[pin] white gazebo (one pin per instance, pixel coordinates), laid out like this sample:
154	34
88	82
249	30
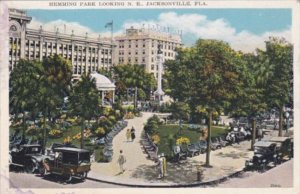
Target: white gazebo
104	85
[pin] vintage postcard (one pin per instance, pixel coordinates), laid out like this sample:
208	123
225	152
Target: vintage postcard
149	96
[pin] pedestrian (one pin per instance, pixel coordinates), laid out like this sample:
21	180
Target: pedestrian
121	161
162	166
259	134
128	134
132	134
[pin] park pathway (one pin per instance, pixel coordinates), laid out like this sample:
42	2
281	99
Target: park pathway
132	151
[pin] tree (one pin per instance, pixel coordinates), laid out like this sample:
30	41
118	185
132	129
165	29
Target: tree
84	101
54	82
250	100
278	59
180	111
133	76
23	82
210	73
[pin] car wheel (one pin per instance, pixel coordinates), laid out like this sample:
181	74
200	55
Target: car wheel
30	167
68	178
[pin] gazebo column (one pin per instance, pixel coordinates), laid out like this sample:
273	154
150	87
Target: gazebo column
102	97
113	97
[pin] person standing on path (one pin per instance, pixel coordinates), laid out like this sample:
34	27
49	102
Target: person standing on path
162	166
128	134
121	161
132	134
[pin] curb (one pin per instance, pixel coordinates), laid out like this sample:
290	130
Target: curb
155	185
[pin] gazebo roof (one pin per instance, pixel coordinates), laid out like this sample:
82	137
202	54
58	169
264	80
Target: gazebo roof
102	82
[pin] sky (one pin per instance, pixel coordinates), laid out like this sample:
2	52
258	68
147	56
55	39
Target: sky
243	29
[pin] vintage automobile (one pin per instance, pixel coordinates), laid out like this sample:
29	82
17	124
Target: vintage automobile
283	147
264	154
68	162
27	156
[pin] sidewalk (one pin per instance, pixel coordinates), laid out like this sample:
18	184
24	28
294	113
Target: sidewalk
140	171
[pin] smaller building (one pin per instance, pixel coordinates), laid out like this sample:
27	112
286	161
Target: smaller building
106	88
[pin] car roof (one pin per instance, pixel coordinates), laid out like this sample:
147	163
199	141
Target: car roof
31	145
69	149
279	139
263	144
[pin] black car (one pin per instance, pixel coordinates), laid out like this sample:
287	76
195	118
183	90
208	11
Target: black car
68	162
284	147
264	153
26	156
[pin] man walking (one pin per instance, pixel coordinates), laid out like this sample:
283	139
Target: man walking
121	161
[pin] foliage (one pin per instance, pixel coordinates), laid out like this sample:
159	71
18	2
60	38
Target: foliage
152	124
100	131
55	133
67	140
155	139
84	101
180	110
182	140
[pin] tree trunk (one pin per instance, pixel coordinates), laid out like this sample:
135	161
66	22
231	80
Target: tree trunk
135	97
82	128
207	163
280	121
44	130
253	133
24	126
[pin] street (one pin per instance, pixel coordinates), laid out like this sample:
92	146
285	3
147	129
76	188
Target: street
24	180
279	176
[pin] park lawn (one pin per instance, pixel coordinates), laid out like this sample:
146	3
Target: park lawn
169	133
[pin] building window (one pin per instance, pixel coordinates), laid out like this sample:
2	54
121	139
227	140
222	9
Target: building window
136	52
136	59
152	67
143	59
144	52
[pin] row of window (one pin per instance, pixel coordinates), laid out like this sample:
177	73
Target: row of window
66	46
121	60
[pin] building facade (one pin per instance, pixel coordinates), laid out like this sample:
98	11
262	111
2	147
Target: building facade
139	46
86	54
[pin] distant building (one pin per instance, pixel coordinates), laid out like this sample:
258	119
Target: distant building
139	46
86	54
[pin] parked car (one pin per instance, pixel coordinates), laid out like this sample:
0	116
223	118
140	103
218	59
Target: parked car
69	163
264	154
283	147
27	156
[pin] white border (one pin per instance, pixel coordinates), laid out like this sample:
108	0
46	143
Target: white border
293	4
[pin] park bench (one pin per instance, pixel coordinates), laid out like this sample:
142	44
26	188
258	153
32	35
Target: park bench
192	150
179	153
150	148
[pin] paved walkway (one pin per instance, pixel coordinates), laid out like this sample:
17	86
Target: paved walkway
135	157
144	172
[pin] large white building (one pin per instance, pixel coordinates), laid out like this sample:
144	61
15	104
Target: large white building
86	54
139	46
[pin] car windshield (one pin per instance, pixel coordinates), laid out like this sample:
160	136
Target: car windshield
70	158
33	150
84	157
261	150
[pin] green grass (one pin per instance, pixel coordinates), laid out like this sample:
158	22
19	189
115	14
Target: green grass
169	133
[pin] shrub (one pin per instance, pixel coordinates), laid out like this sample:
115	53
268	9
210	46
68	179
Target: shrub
55	133
100	131
155	139
67	140
182	140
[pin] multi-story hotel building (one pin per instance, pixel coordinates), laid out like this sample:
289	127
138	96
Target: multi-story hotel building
139	46
86	54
